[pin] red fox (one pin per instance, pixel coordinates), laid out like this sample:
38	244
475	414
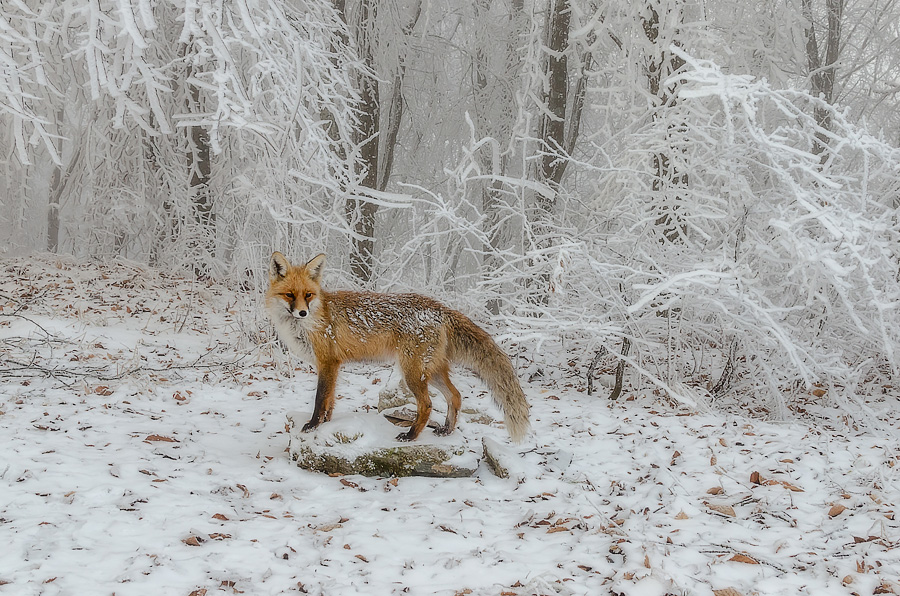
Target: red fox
421	334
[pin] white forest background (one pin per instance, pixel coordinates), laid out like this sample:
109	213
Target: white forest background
701	195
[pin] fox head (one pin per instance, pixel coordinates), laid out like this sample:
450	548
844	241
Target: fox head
295	289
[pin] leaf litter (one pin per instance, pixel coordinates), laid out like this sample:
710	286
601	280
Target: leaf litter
142	450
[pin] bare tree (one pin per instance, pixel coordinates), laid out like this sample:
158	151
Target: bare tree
378	125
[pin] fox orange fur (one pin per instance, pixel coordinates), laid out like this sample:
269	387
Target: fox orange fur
422	335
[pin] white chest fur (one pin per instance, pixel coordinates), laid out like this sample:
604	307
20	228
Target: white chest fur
293	334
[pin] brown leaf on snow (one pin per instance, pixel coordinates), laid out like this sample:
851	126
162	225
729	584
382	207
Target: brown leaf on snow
198	592
151	438
723	509
789	486
716	490
727	592
230	584
742	558
220	517
682	515
192	541
836	510
756	478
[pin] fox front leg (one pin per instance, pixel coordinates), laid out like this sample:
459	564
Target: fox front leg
324	397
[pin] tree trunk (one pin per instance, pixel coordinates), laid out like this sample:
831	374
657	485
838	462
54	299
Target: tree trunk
199	173
553	120
667	180
822	72
360	212
500	129
376	153
58	182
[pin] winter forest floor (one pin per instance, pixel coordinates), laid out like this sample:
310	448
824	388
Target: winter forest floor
142	451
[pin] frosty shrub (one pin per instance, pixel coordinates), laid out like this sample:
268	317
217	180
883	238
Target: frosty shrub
776	272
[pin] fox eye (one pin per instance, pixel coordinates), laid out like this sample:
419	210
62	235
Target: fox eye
289	296
308	296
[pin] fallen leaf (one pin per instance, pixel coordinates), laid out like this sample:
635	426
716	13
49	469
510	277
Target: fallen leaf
723	509
742	558
790	486
836	510
716	490
682	515
161	438
220	517
192	541
727	592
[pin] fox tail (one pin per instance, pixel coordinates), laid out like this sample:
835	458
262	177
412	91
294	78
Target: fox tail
472	346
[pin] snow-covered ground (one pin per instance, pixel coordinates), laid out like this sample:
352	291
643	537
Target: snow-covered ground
142	451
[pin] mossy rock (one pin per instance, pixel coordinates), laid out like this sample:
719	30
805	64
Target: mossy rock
366	444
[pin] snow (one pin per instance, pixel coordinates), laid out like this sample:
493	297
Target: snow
142	450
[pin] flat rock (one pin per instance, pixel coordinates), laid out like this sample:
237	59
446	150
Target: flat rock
503	461
396	394
360	443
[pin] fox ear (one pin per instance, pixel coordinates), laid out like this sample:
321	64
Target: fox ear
315	267
278	266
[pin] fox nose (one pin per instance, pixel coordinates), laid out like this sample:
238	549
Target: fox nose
301	313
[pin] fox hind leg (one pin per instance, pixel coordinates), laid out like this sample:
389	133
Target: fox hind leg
441	380
418	384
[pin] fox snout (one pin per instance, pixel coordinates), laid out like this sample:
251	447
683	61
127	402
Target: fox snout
299	314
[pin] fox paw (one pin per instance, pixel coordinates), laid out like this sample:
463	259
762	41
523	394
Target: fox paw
311	425
443	430
406	437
